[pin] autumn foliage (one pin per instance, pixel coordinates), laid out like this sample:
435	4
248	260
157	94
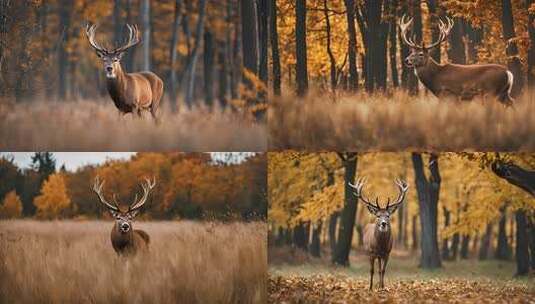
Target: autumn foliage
54	199
12	206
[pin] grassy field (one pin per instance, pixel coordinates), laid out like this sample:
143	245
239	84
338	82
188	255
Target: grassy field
97	126
468	281
188	262
399	122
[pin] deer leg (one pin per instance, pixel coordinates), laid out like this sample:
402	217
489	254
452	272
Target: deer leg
383	268
372	262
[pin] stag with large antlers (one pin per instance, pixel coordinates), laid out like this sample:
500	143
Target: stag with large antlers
124	239
463	82
378	236
131	92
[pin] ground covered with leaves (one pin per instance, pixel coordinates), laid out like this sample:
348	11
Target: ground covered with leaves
336	289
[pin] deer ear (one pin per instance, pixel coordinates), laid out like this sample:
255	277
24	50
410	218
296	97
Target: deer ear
114	213
133	214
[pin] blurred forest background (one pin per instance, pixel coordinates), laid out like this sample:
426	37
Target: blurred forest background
188	185
197	47
459	207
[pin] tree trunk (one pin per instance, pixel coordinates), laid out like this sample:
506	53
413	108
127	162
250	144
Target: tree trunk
415	242
190	70
522	178
435	16
274	36
401	224
522	244
360	235
117	22
531	234
263	18
445	248
332	59
428	190
301	72
455	246
333	220
173	55
299	236
208	67
456	53
531	50
346	227
145	24
315	245
503	251
417	31
465	242
223	86
352	48
514	64
129	62
393	46
485	243
63	57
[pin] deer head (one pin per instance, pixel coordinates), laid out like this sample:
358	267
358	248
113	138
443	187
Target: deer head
124	217
112	58
382	214
419	55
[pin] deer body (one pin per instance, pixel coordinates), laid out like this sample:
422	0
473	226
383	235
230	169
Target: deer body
130	92
378	236
124	239
129	243
456	80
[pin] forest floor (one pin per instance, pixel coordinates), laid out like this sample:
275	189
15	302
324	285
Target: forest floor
188	262
96	125
395	122
465	281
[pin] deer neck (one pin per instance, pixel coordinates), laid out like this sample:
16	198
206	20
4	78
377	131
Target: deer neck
117	85
122	239
382	240
427	72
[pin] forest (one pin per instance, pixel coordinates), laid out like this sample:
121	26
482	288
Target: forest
345	60
214	73
188	186
466	216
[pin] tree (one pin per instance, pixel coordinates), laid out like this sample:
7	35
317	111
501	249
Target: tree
192	62
11	206
65	21
249	36
262	8
209	65
514	64
275	57
53	200
145	15
503	250
301	69
428	189
173	50
531	52
522	243
352	47
347	218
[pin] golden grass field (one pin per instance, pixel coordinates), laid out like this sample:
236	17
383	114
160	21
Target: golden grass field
314	280
188	262
97	126
400	122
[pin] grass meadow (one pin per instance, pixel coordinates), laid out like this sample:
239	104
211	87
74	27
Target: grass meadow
400	122
96	125
297	278
188	262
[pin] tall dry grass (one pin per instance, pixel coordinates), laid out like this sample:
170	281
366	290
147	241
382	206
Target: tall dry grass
97	126
400	122
188	262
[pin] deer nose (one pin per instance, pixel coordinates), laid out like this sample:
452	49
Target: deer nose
109	69
383	224
407	61
125	226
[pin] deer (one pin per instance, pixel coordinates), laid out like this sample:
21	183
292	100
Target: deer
463	82
130	92
378	236
125	240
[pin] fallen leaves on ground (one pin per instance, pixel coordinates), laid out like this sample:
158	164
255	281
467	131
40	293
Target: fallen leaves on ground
334	289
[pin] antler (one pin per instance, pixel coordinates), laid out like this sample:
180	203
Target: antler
133	39
404	25
97	188
403	188
445	29
147	186
358	193
90	32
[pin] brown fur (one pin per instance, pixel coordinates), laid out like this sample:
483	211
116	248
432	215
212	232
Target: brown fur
129	243
466	81
378	246
135	92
